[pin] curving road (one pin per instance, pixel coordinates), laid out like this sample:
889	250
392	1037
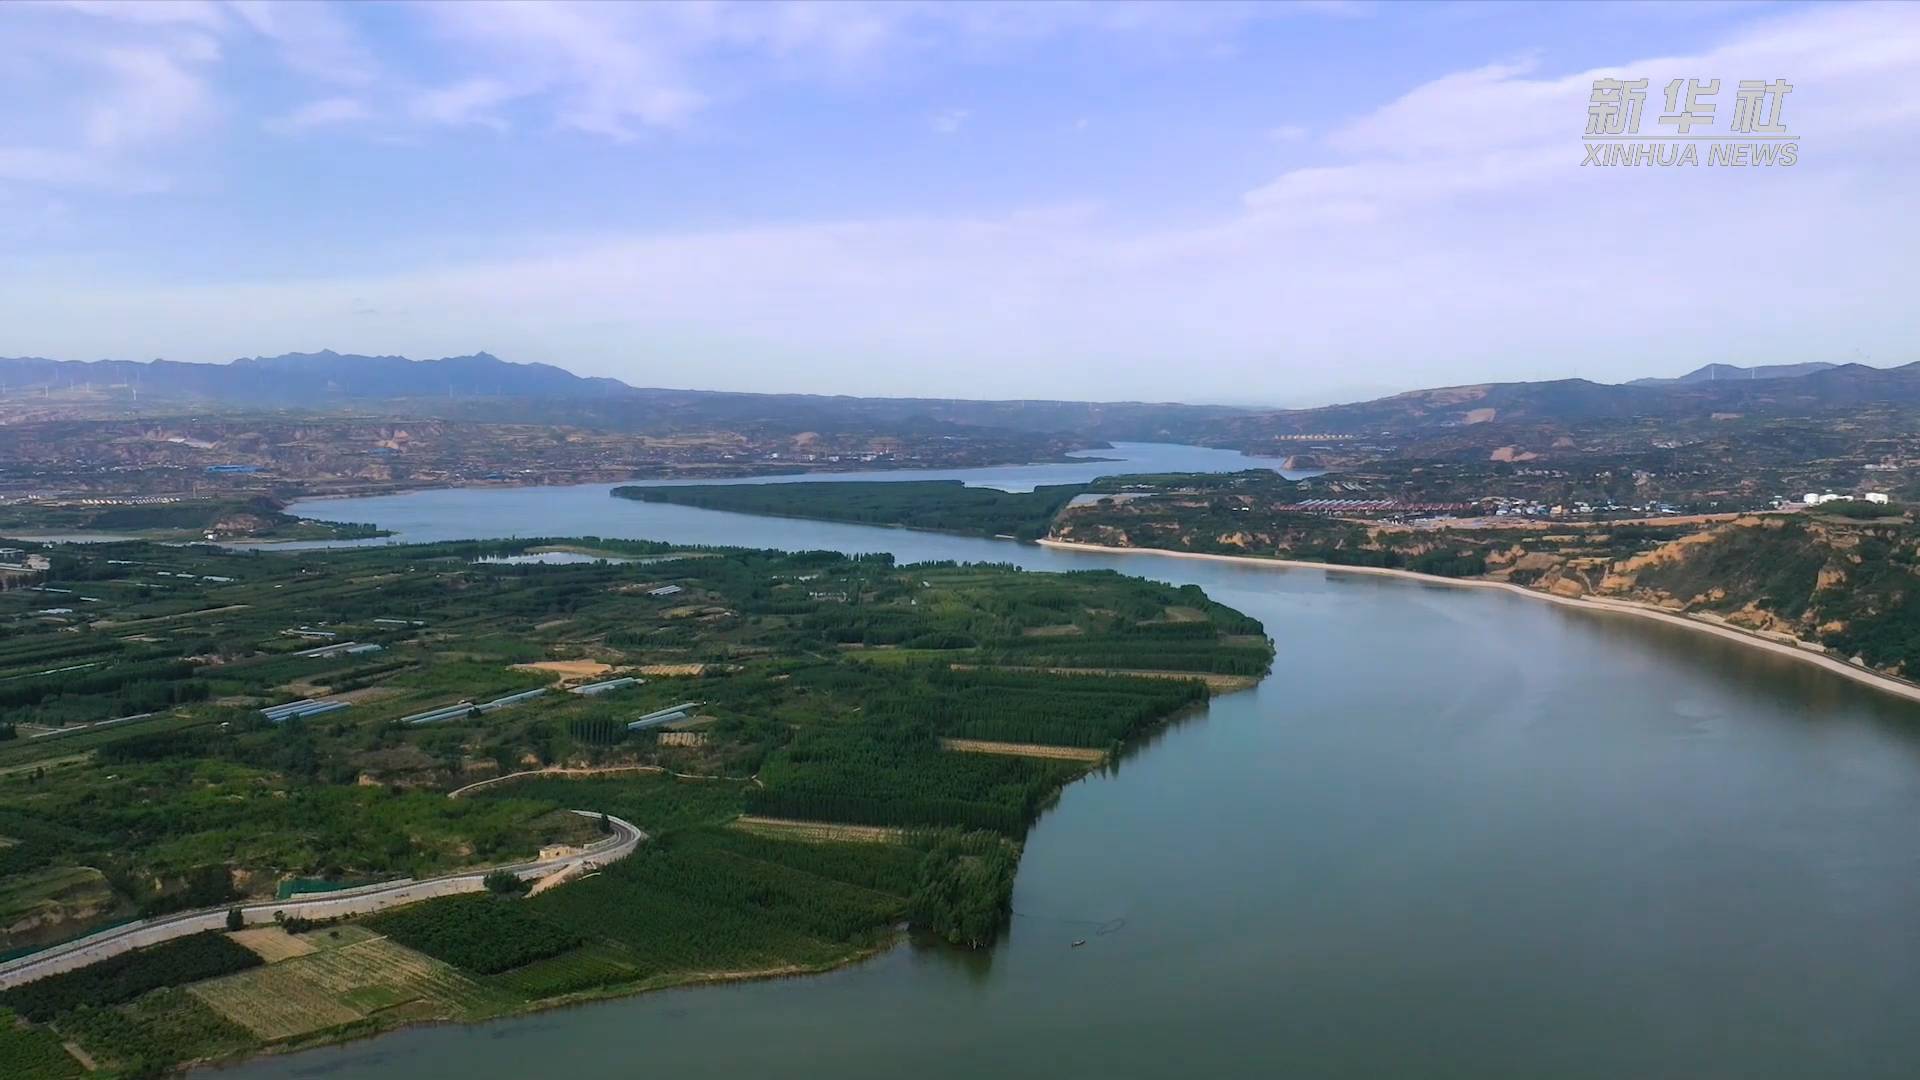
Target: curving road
357	901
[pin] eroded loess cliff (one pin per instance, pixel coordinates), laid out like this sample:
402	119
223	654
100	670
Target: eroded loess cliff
1849	586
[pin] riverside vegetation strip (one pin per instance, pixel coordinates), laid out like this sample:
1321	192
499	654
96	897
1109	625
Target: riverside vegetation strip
256	518
826	685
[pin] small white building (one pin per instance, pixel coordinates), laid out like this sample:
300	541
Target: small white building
1879	497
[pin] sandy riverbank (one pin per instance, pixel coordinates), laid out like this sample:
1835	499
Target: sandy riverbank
1805	652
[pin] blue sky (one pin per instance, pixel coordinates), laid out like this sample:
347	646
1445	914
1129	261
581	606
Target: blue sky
1250	203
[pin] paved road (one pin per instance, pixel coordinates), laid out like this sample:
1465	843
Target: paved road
358	901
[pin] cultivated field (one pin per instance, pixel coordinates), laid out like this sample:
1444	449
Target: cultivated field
344	984
670	670
273	944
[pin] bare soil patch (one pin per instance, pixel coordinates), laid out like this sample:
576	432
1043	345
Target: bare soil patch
1034	750
788	829
572	669
272	944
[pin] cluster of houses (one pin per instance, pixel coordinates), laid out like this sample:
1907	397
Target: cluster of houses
1504	507
1815	498
21	561
1367	507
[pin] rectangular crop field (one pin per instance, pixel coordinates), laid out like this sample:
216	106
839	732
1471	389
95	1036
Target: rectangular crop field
339	986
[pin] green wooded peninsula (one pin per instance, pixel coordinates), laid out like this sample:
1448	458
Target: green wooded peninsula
824	750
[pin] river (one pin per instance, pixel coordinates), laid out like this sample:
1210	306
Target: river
1457	833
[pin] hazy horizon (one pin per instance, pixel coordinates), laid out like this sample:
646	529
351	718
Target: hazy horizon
1218	203
1244	404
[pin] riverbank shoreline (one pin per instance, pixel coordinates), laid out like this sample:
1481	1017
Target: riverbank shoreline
351	1035
1804	651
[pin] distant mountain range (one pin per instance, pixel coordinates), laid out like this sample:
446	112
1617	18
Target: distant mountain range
307	378
1718	372
1811	390
484	387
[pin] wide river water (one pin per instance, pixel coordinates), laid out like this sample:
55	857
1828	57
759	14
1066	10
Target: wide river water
1457	833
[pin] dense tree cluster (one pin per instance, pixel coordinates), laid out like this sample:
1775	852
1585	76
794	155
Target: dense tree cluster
102	690
965	891
878	773
127	976
486	933
710	899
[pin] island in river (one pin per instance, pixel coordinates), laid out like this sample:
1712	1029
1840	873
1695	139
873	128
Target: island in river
822	748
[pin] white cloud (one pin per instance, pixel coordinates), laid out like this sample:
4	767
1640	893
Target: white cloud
615	70
1505	129
611	69
201	13
312	38
58	168
131	75
96	84
1448	234
325	112
474	101
148	94
949	121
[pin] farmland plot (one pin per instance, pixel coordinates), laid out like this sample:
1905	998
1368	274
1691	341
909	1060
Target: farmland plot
339	986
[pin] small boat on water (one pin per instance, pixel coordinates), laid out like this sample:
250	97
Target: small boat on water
1079	943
